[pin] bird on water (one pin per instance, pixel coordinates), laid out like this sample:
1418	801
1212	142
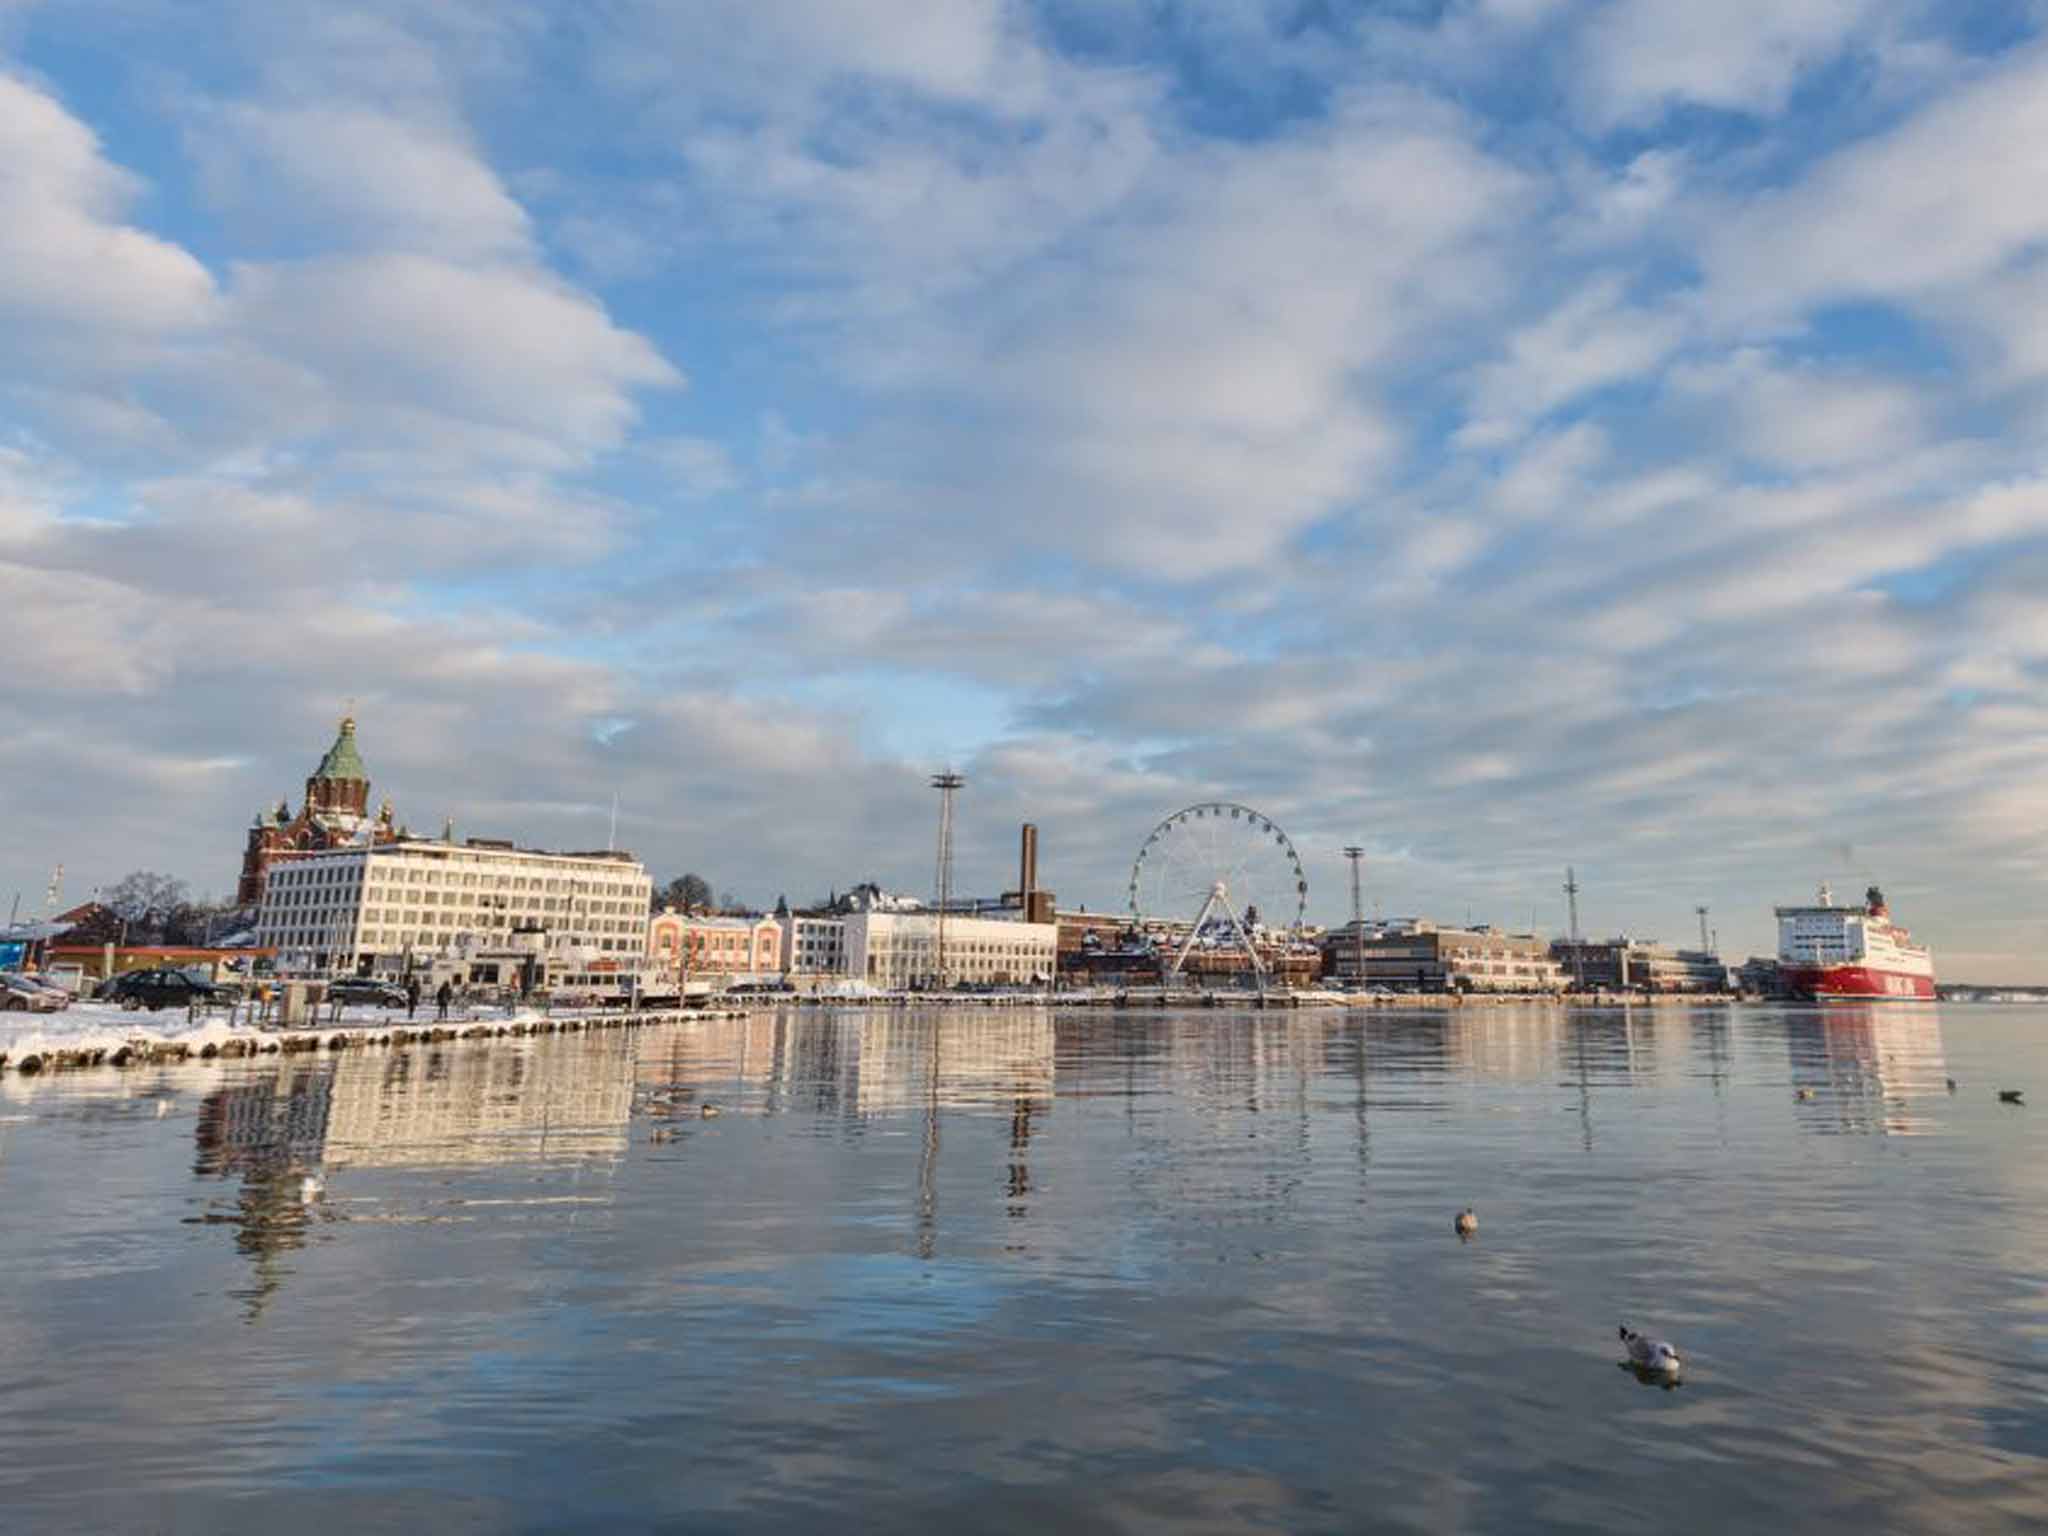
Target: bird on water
1802	1094
2011	1096
1467	1225
1648	1354
711	1112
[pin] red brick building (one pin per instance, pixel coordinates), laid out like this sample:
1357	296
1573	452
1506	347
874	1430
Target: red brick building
336	812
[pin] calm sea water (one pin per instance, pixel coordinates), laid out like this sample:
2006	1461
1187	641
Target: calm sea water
1024	1271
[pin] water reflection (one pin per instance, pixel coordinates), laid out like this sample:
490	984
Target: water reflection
282	1131
565	1101
1867	1064
1151	1270
269	1133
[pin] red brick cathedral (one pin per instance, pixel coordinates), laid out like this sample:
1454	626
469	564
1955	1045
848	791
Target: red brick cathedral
336	812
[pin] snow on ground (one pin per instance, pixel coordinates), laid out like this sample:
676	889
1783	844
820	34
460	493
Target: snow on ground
104	1026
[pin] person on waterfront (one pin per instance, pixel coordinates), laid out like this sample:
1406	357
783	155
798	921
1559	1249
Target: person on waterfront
443	997
412	995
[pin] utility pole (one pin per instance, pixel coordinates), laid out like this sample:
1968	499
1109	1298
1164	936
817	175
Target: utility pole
1571	896
946	784
1355	854
1706	944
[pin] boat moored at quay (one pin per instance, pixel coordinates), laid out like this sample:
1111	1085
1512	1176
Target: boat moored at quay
1827	951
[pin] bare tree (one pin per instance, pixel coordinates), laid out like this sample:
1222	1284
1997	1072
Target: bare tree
686	893
145	900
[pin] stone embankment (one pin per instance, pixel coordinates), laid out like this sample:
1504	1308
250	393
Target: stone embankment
231	1042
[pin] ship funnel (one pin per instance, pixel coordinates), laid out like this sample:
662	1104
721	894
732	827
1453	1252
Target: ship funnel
1873	901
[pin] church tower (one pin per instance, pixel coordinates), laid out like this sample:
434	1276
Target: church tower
340	787
336	809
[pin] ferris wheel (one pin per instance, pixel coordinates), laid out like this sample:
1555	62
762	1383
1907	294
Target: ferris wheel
1231	869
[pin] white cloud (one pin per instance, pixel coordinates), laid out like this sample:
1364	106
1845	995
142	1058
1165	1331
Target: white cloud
364	178
1946	198
1803	417
1593	339
72	274
507	360
1641	56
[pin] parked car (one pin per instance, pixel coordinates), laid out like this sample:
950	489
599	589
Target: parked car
43	979
25	994
366	990
160	988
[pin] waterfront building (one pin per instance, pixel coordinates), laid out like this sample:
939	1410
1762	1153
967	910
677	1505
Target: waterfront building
813	943
1417	955
1760	976
686	944
335	813
896	950
1341	951
389	908
1639	965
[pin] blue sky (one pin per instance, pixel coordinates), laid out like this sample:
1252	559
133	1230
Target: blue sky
1498	432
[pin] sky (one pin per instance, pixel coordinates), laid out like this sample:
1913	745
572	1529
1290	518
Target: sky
1500	434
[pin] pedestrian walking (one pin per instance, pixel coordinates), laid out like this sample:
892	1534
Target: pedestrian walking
412	995
443	997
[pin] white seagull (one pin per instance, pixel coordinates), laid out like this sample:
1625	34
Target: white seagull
1647	1354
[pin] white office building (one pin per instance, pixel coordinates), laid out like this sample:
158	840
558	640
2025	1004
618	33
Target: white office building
896	950
812	945
378	908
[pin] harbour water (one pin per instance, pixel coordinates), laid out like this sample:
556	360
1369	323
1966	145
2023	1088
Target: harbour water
1019	1270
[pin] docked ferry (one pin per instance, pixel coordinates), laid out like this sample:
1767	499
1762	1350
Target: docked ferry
1826	951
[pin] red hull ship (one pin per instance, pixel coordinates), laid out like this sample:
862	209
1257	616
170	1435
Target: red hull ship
1858	953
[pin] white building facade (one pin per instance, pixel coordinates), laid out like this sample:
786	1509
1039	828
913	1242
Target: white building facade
813	945
897	950
379	908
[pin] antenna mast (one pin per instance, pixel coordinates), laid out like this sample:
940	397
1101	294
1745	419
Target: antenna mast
1571	896
1706	944
1355	854
945	783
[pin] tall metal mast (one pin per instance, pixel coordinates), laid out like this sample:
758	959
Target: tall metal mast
1571	896
1355	854
1706	944
945	783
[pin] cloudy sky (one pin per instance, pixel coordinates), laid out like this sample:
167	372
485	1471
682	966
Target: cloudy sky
1502	433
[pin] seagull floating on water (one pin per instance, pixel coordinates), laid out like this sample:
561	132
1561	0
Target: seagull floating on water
1467	1224
711	1111
2010	1096
310	1189
1648	1354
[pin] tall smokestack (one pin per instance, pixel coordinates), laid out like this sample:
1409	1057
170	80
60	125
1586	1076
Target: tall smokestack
1027	865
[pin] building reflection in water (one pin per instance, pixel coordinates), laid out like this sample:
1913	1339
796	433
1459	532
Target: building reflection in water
554	1100
1866	1064
268	1132
276	1128
999	1061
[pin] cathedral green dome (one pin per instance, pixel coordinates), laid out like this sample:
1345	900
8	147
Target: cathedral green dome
343	763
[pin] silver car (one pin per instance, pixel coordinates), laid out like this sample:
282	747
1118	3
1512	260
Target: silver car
26	994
